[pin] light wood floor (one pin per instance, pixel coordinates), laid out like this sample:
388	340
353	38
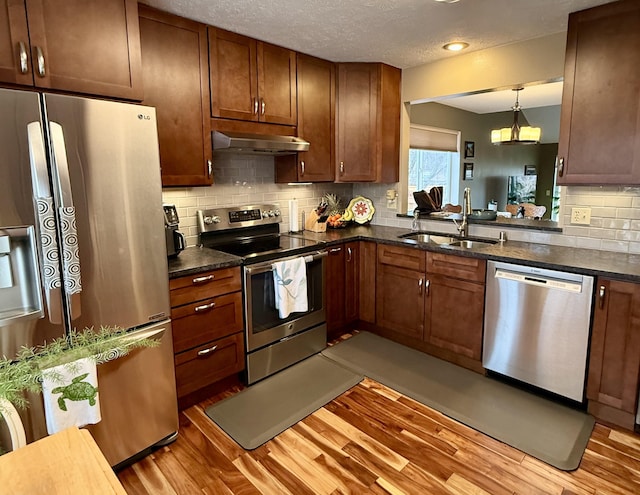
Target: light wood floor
374	440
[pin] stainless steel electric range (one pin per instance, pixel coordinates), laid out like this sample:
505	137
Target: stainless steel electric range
253	233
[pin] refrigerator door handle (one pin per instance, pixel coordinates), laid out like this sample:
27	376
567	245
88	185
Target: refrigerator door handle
48	245
67	217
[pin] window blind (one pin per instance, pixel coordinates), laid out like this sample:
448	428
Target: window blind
433	138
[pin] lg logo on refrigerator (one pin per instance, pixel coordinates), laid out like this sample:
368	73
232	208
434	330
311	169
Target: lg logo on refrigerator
142	116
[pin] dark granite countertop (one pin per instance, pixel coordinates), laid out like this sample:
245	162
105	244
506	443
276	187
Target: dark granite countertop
500	222
199	259
621	266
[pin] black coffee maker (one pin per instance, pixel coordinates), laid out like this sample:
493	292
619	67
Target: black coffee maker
175	240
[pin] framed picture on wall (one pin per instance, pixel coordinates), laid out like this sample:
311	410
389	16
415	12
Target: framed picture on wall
469	149
468	171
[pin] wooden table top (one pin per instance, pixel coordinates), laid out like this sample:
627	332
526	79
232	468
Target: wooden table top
68	462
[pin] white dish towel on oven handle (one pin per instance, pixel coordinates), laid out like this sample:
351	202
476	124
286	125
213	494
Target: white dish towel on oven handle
290	286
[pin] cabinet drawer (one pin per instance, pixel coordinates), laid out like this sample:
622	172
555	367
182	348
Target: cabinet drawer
206	320
198	368
203	285
402	257
456	266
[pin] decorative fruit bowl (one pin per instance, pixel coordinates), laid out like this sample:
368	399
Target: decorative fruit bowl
336	222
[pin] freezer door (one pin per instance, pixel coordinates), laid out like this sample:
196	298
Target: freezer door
106	178
138	400
30	296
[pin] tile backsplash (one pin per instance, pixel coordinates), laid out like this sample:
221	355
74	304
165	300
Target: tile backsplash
246	180
241	180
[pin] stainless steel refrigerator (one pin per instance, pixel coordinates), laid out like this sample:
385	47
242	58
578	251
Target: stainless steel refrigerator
82	245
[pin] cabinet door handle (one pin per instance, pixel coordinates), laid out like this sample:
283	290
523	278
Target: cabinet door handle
262	106
204	307
40	61
204	352
24	57
342	167
420	284
335	250
302	167
348	255
560	166
202	280
601	295
255	106
210	168
427	284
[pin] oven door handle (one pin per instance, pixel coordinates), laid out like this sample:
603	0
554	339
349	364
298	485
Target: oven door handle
267	265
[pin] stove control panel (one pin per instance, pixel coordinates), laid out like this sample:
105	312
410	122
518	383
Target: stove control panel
234	217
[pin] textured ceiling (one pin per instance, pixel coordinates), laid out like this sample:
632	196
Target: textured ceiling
402	33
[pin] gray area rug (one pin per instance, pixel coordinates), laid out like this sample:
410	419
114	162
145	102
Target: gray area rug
548	431
262	411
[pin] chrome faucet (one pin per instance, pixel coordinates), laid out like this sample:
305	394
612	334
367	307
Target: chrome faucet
463	227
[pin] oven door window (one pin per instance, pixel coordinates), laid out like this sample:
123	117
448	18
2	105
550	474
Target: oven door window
264	315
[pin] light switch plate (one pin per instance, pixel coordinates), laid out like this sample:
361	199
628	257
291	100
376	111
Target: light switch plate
581	216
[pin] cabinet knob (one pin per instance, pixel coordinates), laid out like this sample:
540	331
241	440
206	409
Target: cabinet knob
342	167
255	106
262	106
348	255
40	62
24	58
302	167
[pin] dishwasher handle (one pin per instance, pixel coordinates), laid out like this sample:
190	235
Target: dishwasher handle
539	281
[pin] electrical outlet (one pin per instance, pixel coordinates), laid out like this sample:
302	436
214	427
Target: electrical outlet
581	216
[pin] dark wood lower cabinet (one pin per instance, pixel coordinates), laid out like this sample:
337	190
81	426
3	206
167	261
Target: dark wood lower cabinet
433	302
455	312
208	329
614	363
341	289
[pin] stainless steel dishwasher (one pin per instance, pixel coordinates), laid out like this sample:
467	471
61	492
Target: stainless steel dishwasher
536	326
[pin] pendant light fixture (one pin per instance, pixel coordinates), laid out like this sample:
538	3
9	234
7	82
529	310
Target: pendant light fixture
516	134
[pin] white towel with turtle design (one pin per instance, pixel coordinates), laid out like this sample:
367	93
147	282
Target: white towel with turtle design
70	393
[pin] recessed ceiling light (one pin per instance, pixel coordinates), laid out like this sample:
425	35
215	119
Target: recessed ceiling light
455	46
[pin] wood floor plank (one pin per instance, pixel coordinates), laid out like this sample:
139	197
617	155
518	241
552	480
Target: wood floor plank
384	453
570	484
373	440
333	455
215	434
460	486
152	477
180	479
216	461
466	431
303	469
262	479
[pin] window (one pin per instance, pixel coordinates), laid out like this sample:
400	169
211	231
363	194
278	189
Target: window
434	160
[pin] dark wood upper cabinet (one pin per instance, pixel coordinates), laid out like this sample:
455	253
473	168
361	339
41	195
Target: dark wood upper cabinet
600	119
72	45
316	117
368	123
176	82
251	80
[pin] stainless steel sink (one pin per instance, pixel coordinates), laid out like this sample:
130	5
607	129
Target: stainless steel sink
445	240
429	238
470	244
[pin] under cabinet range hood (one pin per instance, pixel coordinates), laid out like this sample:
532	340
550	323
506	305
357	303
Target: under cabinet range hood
257	144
